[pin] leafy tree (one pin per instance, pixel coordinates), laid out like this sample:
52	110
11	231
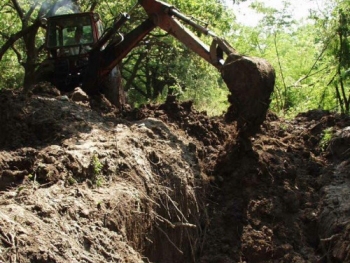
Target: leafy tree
339	49
330	80
300	54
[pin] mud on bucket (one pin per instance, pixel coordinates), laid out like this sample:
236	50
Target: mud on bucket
251	82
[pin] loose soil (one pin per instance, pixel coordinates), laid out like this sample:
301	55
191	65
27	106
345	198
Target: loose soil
82	182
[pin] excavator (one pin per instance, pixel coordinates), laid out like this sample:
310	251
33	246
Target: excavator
81	54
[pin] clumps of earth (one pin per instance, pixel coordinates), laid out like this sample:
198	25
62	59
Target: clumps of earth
82	182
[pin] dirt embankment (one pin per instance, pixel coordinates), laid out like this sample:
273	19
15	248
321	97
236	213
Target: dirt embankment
82	183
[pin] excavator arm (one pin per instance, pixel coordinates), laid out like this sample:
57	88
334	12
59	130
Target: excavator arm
250	80
169	19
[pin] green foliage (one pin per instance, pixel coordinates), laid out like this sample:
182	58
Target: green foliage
204	87
301	55
99	181
71	180
331	37
11	74
326	138
339	49
96	165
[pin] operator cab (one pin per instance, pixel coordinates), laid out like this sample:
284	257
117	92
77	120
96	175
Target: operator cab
69	38
72	34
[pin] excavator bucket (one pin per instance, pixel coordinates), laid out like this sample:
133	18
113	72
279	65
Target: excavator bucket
251	82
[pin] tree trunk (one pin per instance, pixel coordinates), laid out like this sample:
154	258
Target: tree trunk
32	54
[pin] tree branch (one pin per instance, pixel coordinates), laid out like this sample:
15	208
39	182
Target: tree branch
134	71
140	91
12	39
18	9
281	71
93	6
30	12
18	54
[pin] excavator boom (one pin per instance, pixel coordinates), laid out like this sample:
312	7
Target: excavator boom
169	19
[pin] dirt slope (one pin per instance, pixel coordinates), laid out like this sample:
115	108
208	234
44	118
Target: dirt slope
81	182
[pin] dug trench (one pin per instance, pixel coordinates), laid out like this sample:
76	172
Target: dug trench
82	182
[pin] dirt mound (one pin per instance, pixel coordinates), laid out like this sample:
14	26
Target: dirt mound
82	182
76	181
